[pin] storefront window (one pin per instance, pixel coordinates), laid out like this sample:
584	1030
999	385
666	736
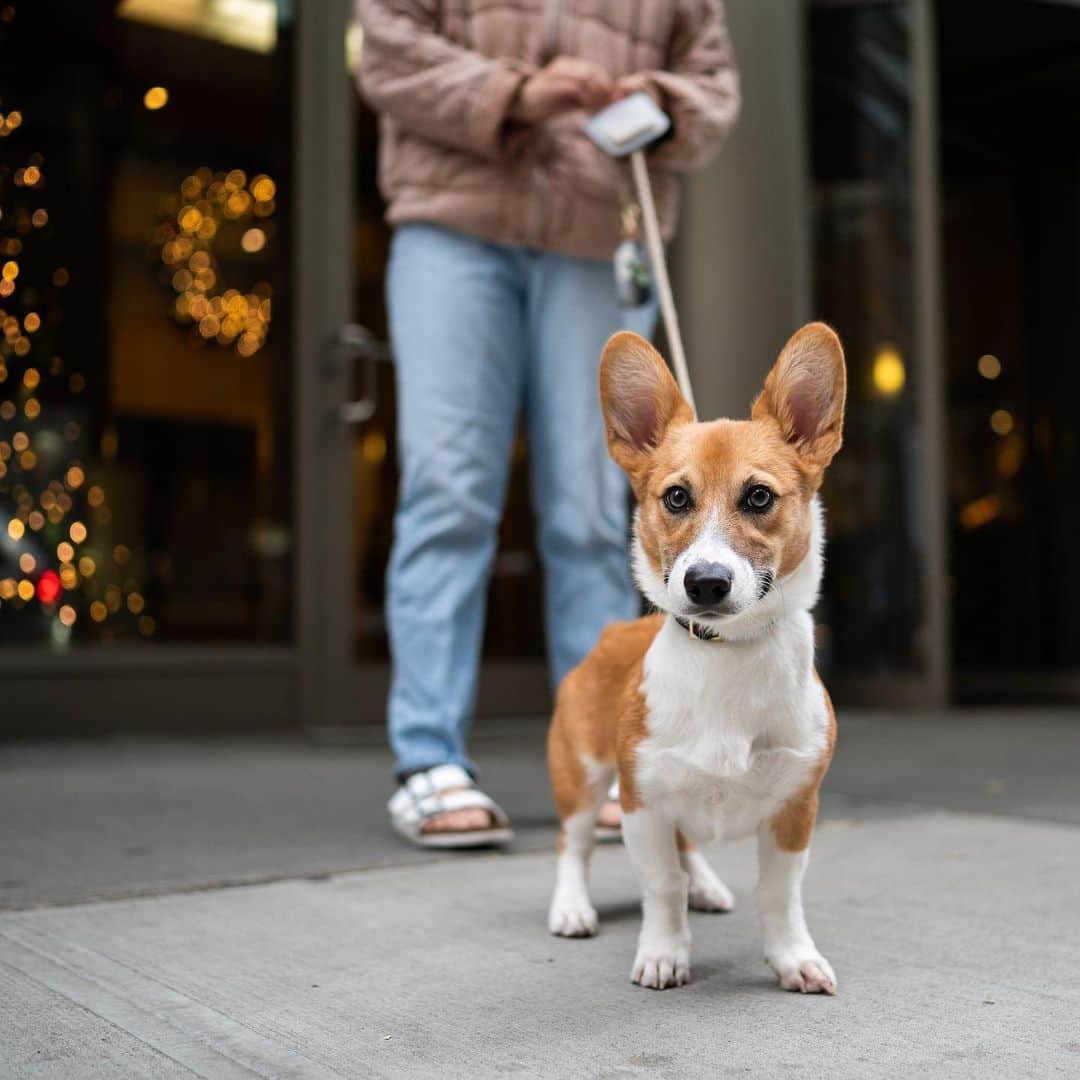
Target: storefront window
1010	156
145	422
860	139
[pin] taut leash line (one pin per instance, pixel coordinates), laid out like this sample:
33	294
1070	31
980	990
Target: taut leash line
654	245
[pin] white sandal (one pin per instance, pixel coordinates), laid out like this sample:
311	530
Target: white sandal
440	790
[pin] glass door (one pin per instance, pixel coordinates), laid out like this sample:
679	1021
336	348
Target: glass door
1010	155
346	440
872	89
147	554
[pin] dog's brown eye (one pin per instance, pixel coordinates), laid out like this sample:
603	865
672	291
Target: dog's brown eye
677	499
758	498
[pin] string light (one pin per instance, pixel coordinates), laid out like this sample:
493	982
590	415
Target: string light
45	502
207	203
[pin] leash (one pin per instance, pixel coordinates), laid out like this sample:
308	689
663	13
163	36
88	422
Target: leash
654	245
622	130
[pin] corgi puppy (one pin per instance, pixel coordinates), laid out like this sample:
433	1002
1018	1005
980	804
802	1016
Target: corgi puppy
710	712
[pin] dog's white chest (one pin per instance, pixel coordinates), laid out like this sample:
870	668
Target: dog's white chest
734	730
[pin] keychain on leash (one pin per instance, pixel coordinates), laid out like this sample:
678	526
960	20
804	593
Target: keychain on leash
623	130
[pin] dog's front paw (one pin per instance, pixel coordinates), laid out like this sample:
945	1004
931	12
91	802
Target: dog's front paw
805	973
661	965
573	916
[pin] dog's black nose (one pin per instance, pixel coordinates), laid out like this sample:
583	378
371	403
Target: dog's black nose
707	583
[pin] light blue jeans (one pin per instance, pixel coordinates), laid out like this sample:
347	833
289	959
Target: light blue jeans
480	333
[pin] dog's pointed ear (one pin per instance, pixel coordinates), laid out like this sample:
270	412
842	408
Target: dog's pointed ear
639	398
805	391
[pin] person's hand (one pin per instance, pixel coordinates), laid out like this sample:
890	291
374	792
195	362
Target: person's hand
631	84
566	83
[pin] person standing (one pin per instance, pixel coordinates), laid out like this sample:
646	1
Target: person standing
500	296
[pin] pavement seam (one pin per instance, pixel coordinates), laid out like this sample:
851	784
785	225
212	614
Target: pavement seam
914	811
176	1003
96	1015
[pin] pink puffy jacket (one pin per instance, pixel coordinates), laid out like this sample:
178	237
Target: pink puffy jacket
443	74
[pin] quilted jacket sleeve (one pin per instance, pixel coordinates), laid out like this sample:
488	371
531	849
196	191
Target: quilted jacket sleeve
431	86
699	89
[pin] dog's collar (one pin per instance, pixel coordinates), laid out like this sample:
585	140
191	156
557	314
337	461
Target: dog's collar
700	632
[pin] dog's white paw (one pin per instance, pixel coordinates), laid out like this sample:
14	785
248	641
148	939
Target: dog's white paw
711	895
661	965
573	916
805	973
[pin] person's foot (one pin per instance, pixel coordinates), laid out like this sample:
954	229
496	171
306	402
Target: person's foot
442	807
458	820
610	815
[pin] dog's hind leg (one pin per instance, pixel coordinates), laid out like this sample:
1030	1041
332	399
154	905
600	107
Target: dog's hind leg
571	913
579	787
707	892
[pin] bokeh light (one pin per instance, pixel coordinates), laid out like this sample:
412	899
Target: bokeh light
188	236
157	97
888	372
49	587
1001	422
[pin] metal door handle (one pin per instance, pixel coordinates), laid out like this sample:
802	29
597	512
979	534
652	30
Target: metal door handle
358	341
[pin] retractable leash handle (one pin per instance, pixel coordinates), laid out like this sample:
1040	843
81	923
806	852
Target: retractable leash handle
625	129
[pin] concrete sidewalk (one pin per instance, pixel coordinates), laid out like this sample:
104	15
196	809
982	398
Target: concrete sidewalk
953	929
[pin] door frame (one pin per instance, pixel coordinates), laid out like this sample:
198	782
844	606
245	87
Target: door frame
930	353
324	572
